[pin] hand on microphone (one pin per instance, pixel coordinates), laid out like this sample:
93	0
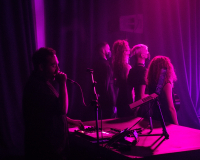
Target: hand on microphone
61	77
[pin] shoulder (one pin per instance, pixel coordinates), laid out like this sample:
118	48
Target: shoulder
129	67
131	71
167	84
35	86
167	88
139	69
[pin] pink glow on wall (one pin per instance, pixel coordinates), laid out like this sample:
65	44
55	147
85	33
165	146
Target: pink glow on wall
40	27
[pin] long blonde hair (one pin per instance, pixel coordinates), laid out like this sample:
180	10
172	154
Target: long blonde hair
154	70
120	67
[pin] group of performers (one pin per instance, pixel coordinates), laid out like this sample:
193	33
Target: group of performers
118	85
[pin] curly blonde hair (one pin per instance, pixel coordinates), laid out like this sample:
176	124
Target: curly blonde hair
154	70
120	67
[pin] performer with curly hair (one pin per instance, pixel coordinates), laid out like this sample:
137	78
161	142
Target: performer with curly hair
120	57
165	97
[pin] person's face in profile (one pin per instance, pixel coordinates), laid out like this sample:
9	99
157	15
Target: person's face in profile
51	68
107	51
145	52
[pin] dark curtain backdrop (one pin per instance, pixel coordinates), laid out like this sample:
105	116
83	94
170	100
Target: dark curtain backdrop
170	28
17	43
73	28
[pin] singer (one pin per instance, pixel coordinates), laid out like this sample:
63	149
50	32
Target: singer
44	109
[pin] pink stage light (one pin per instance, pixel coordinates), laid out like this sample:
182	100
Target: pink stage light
39	23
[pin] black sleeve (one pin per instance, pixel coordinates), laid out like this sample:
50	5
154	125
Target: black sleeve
136	77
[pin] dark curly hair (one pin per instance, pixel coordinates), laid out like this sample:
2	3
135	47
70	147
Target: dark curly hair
154	70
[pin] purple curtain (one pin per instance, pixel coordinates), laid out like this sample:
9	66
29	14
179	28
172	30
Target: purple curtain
73	28
170	28
17	43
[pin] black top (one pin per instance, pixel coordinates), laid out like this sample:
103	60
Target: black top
154	110
123	96
136	78
104	77
123	109
163	105
45	123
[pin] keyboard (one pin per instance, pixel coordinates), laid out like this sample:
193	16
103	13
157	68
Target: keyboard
143	100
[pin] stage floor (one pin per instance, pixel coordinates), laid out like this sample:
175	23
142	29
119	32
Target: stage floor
183	142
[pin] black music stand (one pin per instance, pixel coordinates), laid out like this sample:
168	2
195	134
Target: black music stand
162	120
158	91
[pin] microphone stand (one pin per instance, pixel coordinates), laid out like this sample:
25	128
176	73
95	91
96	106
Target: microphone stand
150	118
162	120
95	103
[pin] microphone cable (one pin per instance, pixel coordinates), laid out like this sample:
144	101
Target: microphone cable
72	81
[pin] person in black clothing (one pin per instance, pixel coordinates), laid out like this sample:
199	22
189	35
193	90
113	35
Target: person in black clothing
136	76
103	77
121	67
44	109
165	97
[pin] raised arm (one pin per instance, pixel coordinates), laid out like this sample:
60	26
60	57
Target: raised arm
168	93
63	94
